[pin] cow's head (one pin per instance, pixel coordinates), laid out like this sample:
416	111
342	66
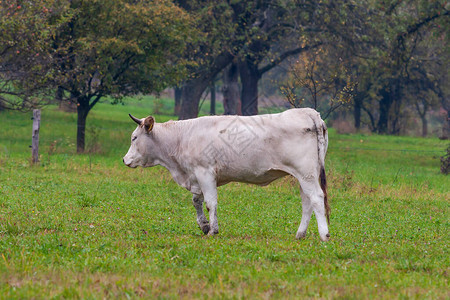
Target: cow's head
140	152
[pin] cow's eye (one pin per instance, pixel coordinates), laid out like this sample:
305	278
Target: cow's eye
134	138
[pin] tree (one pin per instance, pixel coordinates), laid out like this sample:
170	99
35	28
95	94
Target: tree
268	31
230	90
277	30
396	67
376	41
235	32
319	80
211	52
427	75
26	29
117	48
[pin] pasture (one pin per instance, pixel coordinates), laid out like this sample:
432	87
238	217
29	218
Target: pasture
86	226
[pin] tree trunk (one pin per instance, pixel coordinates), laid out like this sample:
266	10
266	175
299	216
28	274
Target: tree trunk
82	111
59	96
230	89
212	91
424	125
191	93
396	108
194	88
357	107
446	128
177	91
250	76
423	115
385	105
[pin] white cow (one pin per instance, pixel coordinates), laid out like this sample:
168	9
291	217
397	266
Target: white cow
207	152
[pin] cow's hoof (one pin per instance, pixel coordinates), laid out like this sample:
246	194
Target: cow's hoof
213	232
326	238
300	235
205	229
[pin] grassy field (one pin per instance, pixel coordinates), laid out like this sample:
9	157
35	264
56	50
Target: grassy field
86	226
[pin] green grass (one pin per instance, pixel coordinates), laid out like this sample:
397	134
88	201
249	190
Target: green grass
85	226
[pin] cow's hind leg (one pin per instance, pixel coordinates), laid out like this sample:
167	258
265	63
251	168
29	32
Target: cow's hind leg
306	215
312	190
202	222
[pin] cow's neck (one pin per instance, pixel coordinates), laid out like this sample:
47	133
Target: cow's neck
167	139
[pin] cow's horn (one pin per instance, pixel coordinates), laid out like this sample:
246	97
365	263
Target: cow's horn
138	121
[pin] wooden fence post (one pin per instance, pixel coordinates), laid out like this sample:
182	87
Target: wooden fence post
35	138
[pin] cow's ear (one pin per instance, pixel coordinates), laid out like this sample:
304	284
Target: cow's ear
148	123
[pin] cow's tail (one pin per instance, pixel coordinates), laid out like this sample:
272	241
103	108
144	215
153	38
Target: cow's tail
322	145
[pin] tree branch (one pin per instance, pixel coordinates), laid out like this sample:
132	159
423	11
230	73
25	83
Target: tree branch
97	98
415	27
285	55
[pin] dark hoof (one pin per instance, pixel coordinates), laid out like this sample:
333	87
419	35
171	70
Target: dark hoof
300	235
205	229
326	238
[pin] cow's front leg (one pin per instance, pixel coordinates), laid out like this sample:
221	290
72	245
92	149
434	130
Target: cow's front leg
208	185
202	222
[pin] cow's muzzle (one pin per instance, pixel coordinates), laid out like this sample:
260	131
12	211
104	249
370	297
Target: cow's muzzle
127	164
